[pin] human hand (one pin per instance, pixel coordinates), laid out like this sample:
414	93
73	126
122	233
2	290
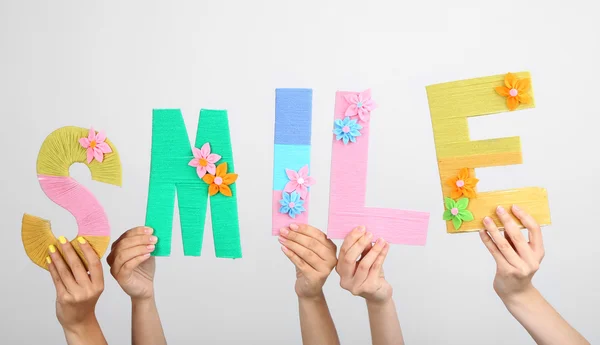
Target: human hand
77	292
360	266
131	264
312	253
516	259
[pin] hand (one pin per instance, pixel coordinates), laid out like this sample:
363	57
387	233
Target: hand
77	292
360	266
312	253
517	260
131	264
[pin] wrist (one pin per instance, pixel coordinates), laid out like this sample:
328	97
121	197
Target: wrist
143	302
318	297
519	298
80	329
375	303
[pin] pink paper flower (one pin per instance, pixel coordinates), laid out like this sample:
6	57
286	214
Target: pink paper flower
360	104
299	181
95	145
204	161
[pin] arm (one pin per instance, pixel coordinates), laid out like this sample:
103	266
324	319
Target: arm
77	292
133	268
360	266
517	261
314	257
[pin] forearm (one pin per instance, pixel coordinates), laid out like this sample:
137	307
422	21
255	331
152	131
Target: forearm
146	328
315	322
385	327
539	318
87	333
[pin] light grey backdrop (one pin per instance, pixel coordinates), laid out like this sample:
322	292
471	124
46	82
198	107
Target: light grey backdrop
109	63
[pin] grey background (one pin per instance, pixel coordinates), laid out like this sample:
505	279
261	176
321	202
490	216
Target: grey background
109	63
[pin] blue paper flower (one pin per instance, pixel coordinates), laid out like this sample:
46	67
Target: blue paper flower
291	204
346	130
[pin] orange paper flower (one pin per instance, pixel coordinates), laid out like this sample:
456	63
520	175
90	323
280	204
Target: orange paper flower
221	181
463	184
515	91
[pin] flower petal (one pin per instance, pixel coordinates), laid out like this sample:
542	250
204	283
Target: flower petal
456	193
283	202
469	192
84	142
450	204
208	178
212	189
286	197
451	182
284	209
512	103
337	131
213	158
90	154
466	215
294	197
104	147
345	139
462	203
222	169
98	155
339	123
230	178
448	215
524	98
369	105
292	174
196	152
92	134
364	96
509	80
464	174
300	209
523	85
210	167
201	171
205	150
503	91
290	186
309	181
352	110
457	222
101	136
193	163
351	98
302	191
225	190
303	172
355	133
364	115
292	213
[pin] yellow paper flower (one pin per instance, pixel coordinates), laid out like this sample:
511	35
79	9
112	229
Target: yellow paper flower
463	184
515	91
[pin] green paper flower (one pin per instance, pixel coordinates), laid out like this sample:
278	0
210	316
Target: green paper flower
457	212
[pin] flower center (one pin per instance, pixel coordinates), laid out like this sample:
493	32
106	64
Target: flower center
513	92
291	205
359	104
93	144
218	180
460	183
300	181
346	129
454	211
203	162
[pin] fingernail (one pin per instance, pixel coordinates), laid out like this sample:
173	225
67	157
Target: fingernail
153	239
516	208
81	240
62	240
487	220
148	230
294	227
284	248
380	241
52	248
284	231
361	229
48	261
500	210
147	255
281	240
369	235
151	247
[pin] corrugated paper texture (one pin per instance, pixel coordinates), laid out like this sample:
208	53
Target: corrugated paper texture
451	104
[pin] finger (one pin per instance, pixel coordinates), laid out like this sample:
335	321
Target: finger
377	267
131	242
362	271
58	284
63	270
300	264
351	239
139	230
128	267
308	242
313	232
516	237
535	232
126	255
365	252
361	245
74	261
305	254
94	264
505	248
492	248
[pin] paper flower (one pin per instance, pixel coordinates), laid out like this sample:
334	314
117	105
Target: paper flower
361	104
291	204
95	145
220	182
515	91
346	130
299	181
457	212
204	161
463	184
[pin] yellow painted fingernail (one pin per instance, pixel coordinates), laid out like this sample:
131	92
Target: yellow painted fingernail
81	240
48	260
62	240
52	248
